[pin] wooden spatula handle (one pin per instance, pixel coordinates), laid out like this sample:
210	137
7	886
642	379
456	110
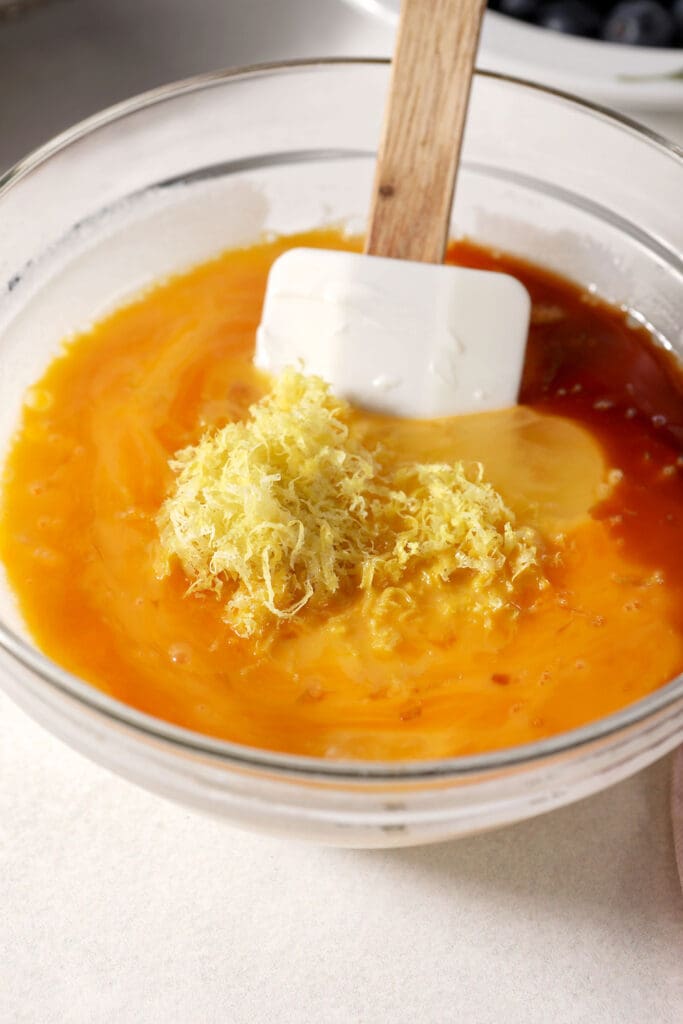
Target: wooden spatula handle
423	126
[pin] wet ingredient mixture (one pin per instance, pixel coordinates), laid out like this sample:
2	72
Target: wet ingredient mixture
590	462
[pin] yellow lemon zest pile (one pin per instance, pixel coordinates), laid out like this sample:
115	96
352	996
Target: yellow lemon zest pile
286	508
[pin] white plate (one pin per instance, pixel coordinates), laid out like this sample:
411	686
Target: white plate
626	77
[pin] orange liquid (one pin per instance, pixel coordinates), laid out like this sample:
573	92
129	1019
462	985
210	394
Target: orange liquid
89	471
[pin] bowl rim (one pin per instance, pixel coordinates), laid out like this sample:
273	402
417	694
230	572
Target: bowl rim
297	765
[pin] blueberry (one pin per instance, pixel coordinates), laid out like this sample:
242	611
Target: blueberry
602	6
640	23
525	10
571	16
677	12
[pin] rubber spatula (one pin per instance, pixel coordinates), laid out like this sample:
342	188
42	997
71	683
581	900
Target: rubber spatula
395	330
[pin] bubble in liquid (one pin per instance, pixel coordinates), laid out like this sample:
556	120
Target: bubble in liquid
48	522
313	693
180	653
48	557
38	399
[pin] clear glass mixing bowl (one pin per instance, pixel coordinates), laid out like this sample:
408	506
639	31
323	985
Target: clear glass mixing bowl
170	178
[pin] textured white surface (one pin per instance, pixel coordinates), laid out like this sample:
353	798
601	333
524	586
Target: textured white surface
117	908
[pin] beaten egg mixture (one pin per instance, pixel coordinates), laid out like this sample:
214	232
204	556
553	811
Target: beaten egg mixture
417	666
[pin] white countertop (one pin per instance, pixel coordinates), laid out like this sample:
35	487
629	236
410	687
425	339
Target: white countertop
118	908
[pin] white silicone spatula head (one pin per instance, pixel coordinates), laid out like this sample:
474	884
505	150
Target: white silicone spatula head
394	329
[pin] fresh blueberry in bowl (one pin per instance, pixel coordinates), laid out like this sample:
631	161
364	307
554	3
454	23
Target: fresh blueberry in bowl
573	17
523	10
640	23
657	23
677	14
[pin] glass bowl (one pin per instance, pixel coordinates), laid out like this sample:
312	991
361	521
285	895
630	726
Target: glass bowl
163	181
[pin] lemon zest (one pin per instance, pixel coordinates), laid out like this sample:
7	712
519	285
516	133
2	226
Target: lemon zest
287	508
